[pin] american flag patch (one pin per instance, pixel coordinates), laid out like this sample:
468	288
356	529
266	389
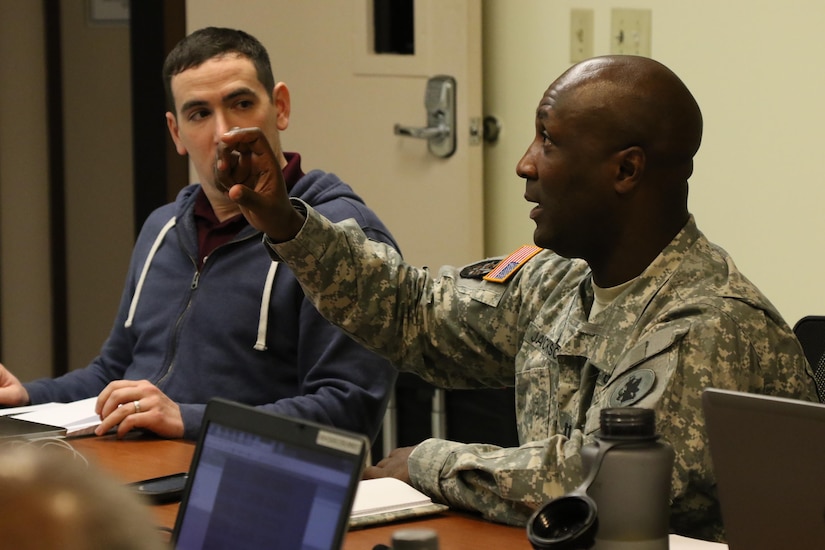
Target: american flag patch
512	263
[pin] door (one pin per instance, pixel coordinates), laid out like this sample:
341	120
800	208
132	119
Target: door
346	101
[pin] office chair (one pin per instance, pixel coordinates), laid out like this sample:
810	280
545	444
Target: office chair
417	410
810	331
438	422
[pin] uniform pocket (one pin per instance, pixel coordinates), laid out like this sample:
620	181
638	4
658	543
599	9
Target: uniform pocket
534	401
641	375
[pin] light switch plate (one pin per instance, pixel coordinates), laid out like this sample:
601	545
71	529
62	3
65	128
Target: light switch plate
581	34
630	31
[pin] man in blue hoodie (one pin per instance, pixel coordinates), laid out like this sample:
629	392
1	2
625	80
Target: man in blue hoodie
205	312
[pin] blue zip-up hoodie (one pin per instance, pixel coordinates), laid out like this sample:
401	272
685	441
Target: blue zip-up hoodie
240	328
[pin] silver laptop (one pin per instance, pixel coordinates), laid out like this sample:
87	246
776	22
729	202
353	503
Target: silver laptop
17	428
769	459
260	480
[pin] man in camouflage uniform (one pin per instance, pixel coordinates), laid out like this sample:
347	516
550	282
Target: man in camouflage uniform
633	306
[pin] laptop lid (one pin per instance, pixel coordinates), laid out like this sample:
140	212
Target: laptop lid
769	459
17	428
260	480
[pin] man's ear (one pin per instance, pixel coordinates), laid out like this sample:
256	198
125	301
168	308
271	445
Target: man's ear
280	98
630	167
172	124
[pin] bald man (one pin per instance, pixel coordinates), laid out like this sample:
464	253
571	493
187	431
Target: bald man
622	302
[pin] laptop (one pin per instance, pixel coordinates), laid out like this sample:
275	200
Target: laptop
12	428
769	459
261	480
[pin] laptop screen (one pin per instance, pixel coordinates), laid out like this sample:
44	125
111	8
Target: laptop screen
272	483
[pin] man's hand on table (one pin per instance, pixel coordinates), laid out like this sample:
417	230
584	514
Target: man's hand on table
132	404
394	465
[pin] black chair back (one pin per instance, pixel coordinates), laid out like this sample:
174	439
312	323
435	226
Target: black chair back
810	331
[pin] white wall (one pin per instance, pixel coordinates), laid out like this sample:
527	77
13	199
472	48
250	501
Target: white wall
755	68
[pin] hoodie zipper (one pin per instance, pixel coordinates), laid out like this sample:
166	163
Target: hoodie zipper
193	287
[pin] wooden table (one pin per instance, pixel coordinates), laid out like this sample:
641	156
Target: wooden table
456	531
136	458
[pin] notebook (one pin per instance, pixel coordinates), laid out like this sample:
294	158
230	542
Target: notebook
260	480
387	499
769	459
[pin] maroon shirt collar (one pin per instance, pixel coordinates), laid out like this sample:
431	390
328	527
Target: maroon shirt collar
212	233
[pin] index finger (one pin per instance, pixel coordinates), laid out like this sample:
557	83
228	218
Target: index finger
246	139
104	395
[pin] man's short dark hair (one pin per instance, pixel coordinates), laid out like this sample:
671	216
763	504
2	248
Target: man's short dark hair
209	42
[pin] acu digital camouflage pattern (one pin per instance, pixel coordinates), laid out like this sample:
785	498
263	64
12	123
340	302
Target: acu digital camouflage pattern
380	518
690	321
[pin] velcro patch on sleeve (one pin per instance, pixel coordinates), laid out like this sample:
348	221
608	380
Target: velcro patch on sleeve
479	269
507	267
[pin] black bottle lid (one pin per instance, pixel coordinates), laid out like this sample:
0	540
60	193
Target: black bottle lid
620	423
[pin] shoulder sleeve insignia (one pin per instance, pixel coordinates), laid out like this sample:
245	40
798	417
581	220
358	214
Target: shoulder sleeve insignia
507	267
479	269
632	387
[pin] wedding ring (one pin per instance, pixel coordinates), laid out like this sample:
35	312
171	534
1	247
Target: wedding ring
137	406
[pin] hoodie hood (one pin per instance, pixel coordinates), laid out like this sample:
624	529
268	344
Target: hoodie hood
318	188
324	191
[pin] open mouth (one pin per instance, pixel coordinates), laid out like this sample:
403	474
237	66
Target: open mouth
536	210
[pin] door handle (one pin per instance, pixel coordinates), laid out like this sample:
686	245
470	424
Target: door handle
439	100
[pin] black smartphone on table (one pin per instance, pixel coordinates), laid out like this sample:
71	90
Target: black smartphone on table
162	490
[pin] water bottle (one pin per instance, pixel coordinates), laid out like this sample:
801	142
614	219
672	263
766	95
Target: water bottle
632	486
624	501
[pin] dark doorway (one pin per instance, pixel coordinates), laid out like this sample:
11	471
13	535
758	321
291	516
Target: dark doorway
155	26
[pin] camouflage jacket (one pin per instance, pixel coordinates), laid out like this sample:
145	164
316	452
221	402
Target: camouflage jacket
690	321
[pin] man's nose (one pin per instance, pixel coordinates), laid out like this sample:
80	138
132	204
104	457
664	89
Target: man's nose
222	125
526	167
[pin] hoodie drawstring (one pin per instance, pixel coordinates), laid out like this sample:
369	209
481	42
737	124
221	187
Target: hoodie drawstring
136	298
263	320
